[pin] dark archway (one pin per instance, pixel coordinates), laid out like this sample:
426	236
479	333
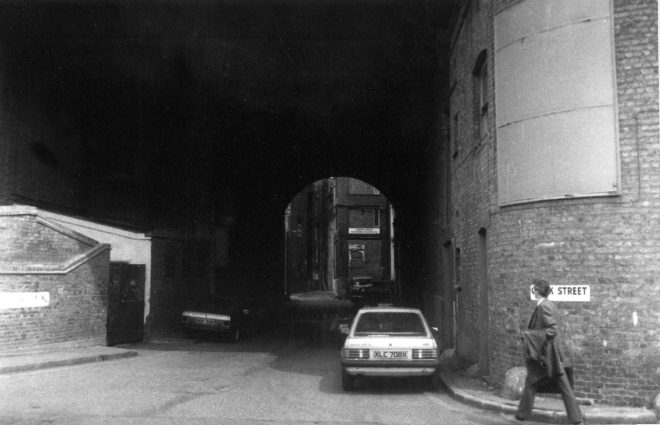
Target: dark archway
164	114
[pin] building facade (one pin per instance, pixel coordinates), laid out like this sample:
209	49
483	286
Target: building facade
336	229
363	241
53	284
553	173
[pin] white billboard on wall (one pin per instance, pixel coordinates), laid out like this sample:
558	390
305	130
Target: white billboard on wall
555	100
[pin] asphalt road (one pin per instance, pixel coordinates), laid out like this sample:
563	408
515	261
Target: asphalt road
260	380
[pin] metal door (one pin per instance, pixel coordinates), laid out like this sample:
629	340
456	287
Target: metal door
126	303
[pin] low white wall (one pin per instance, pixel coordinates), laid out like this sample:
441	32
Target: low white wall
128	247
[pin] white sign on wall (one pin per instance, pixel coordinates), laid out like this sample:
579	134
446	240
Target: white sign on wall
24	299
574	293
364	230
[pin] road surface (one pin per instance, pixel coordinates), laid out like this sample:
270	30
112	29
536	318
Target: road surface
260	380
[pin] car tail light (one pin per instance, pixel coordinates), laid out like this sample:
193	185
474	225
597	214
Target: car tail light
354	353
425	353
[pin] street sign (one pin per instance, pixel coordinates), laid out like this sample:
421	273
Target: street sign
24	299
572	293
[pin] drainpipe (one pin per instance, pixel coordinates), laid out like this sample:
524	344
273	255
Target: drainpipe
392	262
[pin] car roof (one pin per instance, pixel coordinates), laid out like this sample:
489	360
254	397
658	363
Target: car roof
390	310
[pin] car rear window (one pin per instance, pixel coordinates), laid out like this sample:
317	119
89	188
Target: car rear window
390	323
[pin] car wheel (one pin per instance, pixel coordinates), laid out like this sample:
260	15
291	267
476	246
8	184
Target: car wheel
433	382
346	381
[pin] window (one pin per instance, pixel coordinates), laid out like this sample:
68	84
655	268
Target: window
453	138
483	102
483	89
390	323
480	73
364	217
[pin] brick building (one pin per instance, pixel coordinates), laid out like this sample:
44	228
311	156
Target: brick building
302	242
363	241
53	284
102	284
553	173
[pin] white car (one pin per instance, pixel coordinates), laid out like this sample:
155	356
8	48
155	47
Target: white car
390	342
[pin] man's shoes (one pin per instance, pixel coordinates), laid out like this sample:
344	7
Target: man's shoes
513	418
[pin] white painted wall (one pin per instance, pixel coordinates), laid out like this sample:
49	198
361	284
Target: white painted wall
128	247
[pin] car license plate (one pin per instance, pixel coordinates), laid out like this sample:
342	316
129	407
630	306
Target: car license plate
204	321
391	355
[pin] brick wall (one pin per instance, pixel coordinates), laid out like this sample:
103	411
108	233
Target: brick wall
472	175
76	314
610	244
25	240
616	360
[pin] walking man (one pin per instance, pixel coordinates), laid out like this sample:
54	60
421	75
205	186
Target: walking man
543	357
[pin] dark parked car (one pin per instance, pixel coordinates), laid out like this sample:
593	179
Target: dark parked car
364	291
316	314
228	316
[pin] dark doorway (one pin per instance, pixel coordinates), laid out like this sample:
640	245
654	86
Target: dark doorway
448	292
484	319
126	303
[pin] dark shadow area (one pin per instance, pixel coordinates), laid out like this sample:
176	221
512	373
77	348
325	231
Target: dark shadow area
270	340
378	385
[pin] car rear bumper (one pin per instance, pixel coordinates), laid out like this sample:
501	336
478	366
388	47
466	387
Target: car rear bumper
390	368
390	371
387	364
221	328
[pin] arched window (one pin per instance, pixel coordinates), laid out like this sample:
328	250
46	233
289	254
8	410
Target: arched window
480	73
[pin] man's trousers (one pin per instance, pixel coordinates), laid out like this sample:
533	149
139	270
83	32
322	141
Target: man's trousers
529	393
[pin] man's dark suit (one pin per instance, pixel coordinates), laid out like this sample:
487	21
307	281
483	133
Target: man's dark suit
545	361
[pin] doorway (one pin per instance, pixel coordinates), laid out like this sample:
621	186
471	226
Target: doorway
484	319
126	303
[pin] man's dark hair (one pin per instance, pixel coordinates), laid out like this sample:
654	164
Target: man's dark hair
543	287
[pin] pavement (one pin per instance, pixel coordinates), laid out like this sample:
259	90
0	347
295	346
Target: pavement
24	362
547	408
461	387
